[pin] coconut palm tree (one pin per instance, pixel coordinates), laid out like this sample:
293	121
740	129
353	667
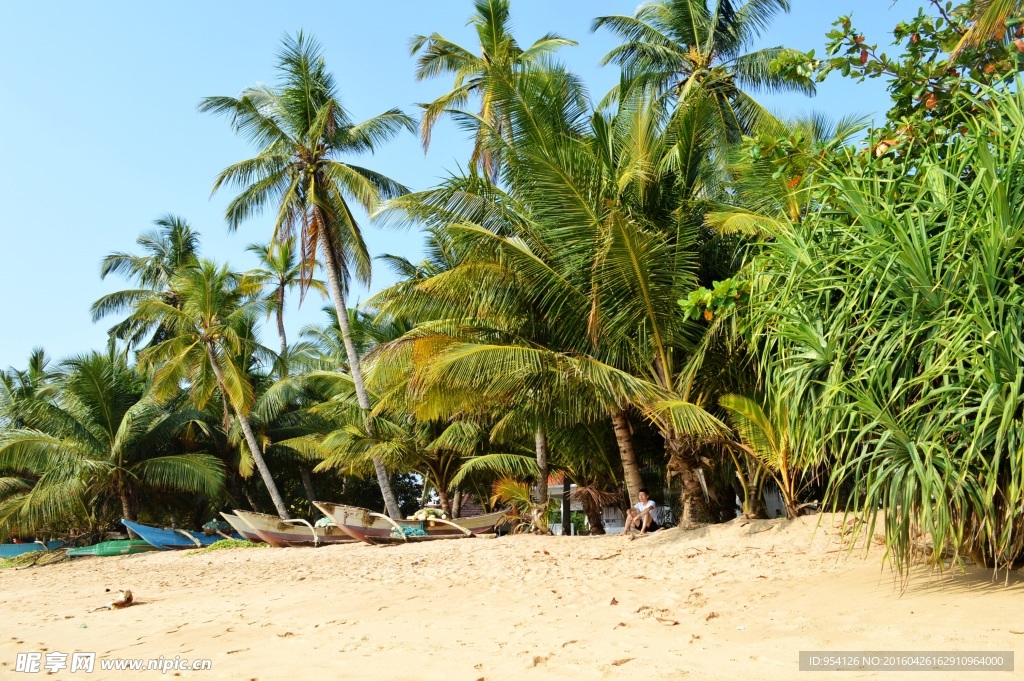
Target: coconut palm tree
990	18
166	250
98	440
695	50
211	341
476	75
21	386
392	435
584	257
772	177
303	132
763	437
280	272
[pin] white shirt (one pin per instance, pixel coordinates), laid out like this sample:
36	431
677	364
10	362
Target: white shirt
642	506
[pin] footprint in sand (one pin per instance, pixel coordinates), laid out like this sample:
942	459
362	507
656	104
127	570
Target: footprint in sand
540	659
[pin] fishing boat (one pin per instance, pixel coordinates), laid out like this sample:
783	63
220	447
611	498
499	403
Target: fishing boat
375	528
120	547
241	527
296	532
168	538
12	550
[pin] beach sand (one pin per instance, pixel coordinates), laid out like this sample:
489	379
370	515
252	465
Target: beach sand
733	601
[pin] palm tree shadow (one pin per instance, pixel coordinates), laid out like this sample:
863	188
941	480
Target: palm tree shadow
971	579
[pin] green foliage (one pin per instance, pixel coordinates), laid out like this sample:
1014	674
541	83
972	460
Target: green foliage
302	131
690	51
33	559
889	325
722	299
226	544
928	79
478	76
170	248
97	446
304	136
660	255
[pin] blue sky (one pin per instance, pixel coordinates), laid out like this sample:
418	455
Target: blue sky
101	134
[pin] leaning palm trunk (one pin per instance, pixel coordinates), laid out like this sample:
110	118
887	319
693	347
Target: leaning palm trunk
630	468
250	439
355	370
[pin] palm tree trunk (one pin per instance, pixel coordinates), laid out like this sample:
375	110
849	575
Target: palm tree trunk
457	504
355	370
683	461
541	442
593	513
280	321
540	509
307	484
446	502
126	502
261	465
250	439
630	468
252	502
566	506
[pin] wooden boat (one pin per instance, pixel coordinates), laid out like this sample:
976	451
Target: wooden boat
12	550
298	532
241	527
120	547
167	538
375	528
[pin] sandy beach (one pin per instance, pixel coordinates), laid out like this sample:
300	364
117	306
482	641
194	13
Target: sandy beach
735	601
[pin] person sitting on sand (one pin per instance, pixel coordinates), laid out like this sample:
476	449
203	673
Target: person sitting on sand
640	515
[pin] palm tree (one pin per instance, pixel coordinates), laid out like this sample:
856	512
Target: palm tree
98	440
772	179
302	130
166	250
695	50
500	56
393	435
584	257
990	19
21	386
279	270
211	340
763	436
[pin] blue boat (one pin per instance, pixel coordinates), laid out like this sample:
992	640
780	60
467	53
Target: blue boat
167	538
12	550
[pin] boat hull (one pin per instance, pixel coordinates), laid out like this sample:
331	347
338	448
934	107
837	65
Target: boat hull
242	528
275	532
168	539
359	524
121	547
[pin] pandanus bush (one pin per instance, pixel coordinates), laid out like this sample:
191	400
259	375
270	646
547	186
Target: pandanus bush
889	323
